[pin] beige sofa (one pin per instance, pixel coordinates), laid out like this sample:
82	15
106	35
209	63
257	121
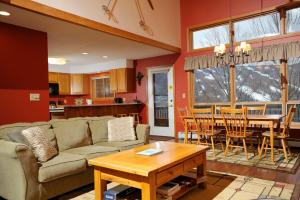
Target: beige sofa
77	139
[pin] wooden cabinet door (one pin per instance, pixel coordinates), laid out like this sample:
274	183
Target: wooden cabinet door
79	84
131	80
122	80
64	83
86	84
76	83
53	77
113	80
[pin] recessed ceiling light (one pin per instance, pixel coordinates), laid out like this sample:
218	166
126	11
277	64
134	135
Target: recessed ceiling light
105	57
85	53
57	61
4	13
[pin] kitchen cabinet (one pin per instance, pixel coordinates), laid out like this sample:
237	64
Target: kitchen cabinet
79	84
64	83
122	80
53	77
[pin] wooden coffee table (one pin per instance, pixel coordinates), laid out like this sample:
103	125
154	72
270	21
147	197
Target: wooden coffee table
149	172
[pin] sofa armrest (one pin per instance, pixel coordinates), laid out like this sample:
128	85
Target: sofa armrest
143	132
18	172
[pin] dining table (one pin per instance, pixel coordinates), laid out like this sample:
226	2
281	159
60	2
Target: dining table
270	121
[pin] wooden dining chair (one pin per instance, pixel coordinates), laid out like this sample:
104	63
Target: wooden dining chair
183	112
205	125
256	129
281	135
235	121
256	110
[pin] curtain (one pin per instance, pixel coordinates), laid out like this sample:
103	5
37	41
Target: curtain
267	53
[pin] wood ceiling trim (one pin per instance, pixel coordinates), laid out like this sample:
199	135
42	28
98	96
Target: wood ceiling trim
75	19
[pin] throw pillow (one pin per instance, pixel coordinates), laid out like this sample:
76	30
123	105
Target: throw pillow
17	137
121	129
41	145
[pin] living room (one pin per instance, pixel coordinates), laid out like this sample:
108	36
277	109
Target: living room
172	72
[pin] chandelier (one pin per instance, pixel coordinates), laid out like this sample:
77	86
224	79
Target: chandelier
235	53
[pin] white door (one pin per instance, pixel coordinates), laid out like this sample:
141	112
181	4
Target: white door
160	101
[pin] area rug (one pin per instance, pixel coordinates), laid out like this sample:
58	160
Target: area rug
220	186
237	156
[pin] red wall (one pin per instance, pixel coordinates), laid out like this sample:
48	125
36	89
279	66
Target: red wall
141	90
24	69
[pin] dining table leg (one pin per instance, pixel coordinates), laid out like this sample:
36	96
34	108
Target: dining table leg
272	140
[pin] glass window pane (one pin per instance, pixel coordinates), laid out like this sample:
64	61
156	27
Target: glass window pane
293	20
294	79
102	88
297	114
258	82
212	85
160	92
211	36
257	27
274	109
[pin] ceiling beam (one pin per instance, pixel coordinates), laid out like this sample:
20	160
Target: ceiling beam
75	19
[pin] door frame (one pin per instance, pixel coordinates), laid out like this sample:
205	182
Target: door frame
160	68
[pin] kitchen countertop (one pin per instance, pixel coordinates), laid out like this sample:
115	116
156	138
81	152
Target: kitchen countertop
56	110
110	104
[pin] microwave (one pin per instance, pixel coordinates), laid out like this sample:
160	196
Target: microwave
53	89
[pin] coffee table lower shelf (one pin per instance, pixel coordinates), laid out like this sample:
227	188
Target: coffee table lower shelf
185	189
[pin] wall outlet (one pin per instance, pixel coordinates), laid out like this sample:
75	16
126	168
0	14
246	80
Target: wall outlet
34	97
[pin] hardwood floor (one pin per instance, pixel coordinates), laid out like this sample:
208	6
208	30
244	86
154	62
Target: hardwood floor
251	171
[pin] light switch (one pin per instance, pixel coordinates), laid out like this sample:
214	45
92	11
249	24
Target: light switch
183	95
34	97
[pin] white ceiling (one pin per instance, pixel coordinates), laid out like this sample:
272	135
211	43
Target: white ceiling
70	41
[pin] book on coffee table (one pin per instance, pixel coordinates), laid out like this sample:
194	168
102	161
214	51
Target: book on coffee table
149	152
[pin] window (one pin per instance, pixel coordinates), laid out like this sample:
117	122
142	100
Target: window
211	36
101	88
294	79
294	86
258	82
212	85
257	27
297	113
274	109
293	20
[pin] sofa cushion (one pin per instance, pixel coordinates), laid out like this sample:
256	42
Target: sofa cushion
98	127
89	152
121	145
71	133
121	129
18	127
41	145
64	164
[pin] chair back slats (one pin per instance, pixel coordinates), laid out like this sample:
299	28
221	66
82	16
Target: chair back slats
204	120
182	113
235	121
288	120
256	110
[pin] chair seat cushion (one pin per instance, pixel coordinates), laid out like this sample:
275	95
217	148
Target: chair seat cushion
122	145
276	134
92	151
64	164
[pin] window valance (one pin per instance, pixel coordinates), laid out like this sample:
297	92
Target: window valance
267	53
